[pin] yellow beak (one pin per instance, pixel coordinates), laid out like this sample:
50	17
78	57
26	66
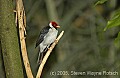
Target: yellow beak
58	26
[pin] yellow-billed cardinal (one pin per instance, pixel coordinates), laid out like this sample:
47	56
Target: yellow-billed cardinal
47	36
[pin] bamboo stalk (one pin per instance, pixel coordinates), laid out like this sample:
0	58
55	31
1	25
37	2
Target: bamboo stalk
22	24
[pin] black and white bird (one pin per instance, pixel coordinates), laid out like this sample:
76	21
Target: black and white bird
47	36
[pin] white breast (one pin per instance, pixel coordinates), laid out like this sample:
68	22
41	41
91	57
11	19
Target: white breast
48	39
51	36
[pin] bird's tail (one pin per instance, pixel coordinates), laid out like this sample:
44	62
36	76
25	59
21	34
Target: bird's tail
40	57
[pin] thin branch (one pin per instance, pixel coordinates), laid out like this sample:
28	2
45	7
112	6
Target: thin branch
47	55
22	24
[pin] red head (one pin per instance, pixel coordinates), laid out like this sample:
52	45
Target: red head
54	24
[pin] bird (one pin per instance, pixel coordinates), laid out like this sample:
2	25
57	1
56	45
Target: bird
46	37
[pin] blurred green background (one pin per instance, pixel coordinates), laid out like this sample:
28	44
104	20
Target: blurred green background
84	45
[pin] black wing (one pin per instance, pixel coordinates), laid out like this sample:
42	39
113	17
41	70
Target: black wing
43	32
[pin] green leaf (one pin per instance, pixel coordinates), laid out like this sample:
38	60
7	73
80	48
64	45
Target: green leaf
114	21
117	41
100	2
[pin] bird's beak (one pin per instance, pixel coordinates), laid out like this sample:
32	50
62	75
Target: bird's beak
58	26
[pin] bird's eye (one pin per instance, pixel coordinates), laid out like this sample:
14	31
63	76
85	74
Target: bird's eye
54	24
